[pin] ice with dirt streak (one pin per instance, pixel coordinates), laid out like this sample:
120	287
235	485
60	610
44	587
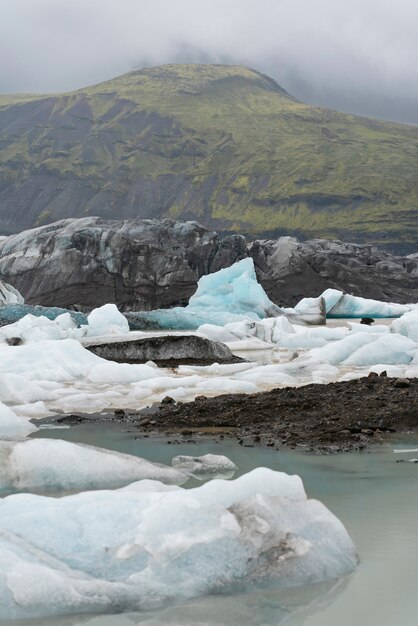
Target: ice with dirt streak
339	304
148	544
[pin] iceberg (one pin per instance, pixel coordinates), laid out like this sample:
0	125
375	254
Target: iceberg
278	330
55	465
229	295
312	310
339	304
13	426
11	313
407	325
206	466
106	320
148	544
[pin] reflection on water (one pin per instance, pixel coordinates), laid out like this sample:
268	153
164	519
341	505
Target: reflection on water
375	497
250	609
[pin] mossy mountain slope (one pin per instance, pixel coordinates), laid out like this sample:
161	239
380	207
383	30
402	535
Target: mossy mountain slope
224	145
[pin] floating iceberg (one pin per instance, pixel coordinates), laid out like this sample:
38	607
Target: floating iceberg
148	544
206	466
229	295
55	465
339	304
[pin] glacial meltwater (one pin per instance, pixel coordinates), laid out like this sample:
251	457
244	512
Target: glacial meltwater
376	498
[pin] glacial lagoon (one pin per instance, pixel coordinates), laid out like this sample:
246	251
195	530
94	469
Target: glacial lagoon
374	493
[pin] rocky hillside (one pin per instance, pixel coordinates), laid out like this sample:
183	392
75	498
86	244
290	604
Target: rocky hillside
221	144
149	264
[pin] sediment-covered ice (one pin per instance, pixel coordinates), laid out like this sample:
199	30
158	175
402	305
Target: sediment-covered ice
148	544
55	465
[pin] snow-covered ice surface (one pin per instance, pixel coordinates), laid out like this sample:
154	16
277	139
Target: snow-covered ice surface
146	544
45	376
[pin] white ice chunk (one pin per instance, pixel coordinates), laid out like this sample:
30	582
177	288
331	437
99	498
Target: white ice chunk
407	325
145	545
390	349
107	320
206	466
12	426
339	304
312	310
339	351
52	464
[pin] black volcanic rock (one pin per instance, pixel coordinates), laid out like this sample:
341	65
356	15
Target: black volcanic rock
149	264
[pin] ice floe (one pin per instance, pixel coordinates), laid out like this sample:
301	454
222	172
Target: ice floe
339	304
148	544
206	466
55	465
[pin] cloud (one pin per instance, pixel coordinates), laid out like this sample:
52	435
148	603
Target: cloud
354	55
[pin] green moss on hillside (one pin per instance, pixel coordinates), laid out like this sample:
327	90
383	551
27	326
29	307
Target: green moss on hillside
223	144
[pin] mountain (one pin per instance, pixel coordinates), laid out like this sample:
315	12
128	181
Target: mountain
221	144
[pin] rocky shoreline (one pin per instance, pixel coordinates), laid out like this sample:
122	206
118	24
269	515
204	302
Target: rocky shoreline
336	417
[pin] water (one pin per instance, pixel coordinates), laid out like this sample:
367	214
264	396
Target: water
375	497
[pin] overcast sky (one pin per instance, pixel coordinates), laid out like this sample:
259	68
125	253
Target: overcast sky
353	55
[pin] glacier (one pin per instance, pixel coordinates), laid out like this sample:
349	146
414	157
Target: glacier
147	544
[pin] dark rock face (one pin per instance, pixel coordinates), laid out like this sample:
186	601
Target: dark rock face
169	350
150	264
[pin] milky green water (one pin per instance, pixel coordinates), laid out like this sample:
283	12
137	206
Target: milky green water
375	497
